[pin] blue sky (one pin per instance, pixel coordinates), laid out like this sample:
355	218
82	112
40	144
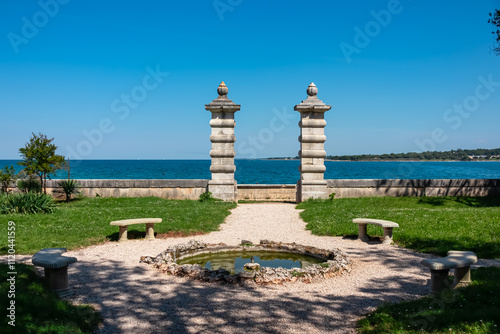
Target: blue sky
129	79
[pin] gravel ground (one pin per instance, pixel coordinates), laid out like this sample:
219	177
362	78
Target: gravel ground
134	298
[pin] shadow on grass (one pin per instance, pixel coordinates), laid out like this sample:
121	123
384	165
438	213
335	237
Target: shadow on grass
134	301
4	250
435	201
484	250
480	202
473	309
474	202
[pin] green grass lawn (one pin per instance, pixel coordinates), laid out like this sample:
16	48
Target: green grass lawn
85	221
426	224
37	310
471	310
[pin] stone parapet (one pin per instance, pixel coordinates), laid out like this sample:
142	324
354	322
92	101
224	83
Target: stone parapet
192	189
396	188
172	189
267	192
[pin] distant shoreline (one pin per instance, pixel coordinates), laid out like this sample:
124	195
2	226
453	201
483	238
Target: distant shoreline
389	160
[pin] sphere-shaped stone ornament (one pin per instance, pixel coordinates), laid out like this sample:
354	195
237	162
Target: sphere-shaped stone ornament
222	89
312	90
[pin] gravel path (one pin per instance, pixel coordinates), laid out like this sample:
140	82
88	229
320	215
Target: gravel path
134	298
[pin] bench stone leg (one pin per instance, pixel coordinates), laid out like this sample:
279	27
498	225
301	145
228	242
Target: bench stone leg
439	280
462	277
362	234
123	233
150	232
57	280
387	236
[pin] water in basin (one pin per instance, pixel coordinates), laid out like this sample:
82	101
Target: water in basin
234	261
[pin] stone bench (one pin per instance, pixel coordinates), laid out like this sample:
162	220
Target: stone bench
56	268
387	225
150	233
460	261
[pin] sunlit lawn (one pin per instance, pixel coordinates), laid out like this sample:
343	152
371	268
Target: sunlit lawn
86	221
426	224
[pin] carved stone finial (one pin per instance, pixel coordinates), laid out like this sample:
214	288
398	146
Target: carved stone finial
222	89
312	90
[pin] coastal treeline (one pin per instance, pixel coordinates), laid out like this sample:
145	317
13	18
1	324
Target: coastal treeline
454	155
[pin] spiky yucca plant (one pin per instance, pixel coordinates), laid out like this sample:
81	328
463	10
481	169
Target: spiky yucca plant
70	187
26	203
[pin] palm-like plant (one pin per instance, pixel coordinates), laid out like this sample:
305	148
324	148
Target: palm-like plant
70	187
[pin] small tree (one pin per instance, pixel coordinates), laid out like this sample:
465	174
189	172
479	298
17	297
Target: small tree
6	177
495	20
40	158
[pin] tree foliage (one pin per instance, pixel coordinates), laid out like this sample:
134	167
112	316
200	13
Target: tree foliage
495	20
40	158
6	177
459	154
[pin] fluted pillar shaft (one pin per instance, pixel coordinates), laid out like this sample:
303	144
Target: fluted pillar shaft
222	185
312	147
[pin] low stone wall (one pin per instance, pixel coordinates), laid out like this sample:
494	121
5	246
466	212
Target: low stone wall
192	189
267	192
396	188
336	262
173	189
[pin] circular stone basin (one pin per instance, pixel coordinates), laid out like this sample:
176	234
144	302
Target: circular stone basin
279	262
234	261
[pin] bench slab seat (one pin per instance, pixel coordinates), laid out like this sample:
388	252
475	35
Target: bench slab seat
459	261
387	225
56	268
123	224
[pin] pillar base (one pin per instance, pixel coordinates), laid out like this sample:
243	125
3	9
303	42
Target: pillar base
387	240
439	280
122	235
226	191
311	189
150	231
462	277
57	280
362	233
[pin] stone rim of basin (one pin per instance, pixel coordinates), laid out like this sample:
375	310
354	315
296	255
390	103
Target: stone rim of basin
336	263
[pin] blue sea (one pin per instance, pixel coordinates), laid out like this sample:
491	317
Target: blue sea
275	171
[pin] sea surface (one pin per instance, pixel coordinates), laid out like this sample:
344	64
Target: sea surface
276	171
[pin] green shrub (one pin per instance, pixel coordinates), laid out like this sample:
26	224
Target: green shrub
69	187
26	203
207	196
29	185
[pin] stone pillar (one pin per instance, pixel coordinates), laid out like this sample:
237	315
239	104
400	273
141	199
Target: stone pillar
222	185
312	146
